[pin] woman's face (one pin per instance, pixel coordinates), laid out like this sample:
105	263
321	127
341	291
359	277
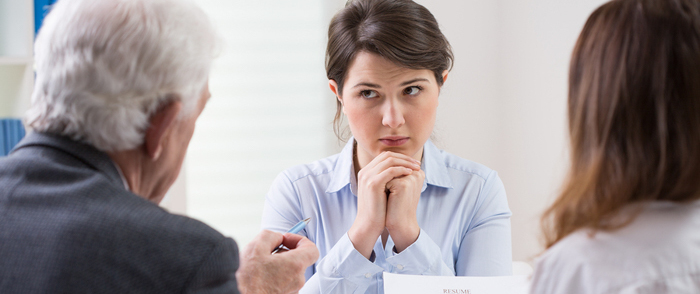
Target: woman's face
389	107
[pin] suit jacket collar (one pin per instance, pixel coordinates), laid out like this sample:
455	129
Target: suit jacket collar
86	153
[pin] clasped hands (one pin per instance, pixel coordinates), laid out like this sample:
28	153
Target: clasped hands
388	190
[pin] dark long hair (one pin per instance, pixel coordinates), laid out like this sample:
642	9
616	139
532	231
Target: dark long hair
401	31
634	114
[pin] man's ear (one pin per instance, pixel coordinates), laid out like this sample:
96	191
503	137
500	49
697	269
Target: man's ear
444	76
334	88
160	122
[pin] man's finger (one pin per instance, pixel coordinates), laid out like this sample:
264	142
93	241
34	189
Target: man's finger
302	247
265	242
291	240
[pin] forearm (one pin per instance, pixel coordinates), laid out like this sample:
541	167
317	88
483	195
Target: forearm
404	235
422	257
363	238
216	273
343	270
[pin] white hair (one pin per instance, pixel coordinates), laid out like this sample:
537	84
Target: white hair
103	67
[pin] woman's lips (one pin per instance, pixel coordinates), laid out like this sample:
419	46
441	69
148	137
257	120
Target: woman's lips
394	141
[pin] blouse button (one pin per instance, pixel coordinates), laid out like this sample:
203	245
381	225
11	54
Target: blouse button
368	275
400	267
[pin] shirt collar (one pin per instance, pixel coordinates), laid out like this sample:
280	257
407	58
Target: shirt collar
343	172
433	165
121	175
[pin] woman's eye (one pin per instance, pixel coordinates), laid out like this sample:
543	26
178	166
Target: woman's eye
412	90
368	94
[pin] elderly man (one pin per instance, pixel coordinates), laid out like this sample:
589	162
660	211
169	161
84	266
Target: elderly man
119	87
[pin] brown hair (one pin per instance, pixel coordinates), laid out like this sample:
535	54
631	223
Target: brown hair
401	31
634	115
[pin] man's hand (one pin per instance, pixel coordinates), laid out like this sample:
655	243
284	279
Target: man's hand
261	272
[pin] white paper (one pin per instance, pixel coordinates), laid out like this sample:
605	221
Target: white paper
409	284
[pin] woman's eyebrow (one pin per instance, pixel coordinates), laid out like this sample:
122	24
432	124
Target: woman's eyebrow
370	85
415	80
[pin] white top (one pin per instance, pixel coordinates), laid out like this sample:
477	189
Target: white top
659	252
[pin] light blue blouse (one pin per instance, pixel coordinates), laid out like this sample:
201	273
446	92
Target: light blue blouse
463	214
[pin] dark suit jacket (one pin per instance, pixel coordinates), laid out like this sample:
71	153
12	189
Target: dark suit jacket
68	225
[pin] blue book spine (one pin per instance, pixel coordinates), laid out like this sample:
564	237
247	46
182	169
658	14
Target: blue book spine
41	9
11	132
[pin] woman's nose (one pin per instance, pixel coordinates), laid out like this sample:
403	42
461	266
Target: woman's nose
392	114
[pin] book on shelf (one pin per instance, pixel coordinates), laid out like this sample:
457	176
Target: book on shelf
11	132
41	9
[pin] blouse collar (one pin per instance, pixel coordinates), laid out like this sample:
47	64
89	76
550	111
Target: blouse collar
433	165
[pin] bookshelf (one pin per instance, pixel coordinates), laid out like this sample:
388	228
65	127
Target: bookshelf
16	62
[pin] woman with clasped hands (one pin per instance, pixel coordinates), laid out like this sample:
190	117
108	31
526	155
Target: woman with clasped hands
628	217
391	201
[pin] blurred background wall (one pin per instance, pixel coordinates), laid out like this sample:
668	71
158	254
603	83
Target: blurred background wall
504	104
